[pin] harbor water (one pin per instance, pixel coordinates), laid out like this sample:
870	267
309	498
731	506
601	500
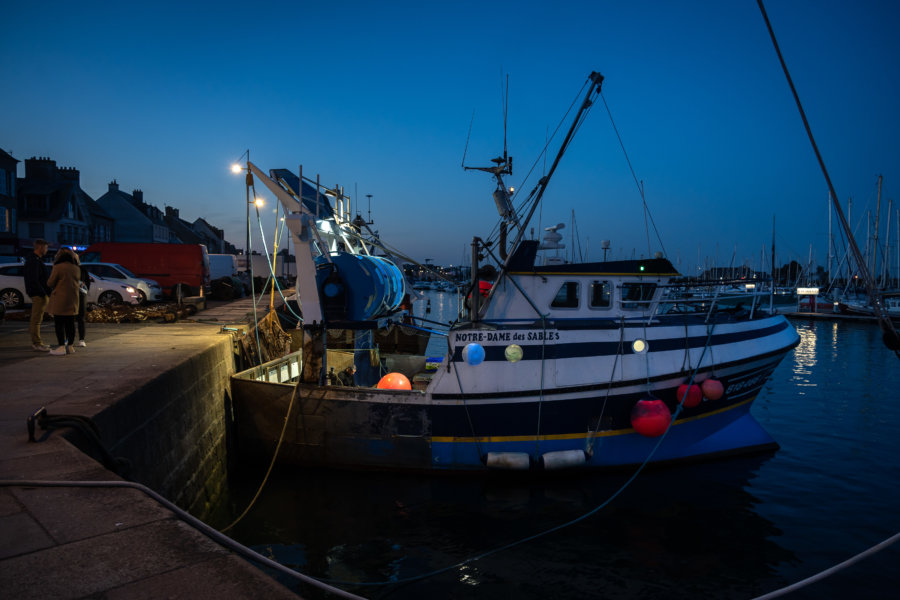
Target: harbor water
731	528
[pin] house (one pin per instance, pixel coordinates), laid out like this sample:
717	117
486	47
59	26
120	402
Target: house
180	231
136	221
213	237
8	237
52	205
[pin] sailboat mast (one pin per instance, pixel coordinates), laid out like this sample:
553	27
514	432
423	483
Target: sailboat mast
829	240
885	264
875	240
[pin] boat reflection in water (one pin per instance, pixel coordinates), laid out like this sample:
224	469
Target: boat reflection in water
687	532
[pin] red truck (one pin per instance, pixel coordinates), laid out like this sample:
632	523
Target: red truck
173	266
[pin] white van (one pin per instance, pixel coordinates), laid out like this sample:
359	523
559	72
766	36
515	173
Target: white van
222	265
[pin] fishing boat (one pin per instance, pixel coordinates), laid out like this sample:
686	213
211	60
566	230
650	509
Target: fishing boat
551	365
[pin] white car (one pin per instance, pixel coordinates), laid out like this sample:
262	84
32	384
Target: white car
147	288
103	291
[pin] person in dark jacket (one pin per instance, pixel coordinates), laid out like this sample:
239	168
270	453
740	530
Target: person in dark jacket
36	275
345	377
82	301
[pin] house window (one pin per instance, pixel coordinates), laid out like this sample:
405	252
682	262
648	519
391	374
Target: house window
600	294
636	296
567	296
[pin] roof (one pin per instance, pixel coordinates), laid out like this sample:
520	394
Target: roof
522	262
7	157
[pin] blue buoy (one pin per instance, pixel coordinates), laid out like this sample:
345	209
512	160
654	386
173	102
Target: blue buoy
473	354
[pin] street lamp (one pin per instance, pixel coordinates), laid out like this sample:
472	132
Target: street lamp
237	168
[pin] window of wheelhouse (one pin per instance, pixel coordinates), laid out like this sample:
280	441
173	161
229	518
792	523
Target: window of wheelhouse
636	296
600	294
567	296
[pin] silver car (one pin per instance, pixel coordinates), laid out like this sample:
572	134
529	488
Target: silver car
104	292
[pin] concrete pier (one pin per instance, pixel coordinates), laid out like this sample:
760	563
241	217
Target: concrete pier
154	390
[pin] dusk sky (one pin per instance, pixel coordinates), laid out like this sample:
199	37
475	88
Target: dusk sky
378	97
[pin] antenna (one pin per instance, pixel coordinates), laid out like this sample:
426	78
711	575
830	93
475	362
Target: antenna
505	112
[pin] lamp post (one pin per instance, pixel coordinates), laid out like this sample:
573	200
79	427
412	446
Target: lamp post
236	168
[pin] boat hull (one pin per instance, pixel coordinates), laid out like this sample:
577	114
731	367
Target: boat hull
575	427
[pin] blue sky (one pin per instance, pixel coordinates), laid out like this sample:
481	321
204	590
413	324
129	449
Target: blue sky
378	97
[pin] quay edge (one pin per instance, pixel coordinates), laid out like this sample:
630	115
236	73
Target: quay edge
158	394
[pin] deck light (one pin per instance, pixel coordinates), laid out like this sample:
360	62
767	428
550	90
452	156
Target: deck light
639	346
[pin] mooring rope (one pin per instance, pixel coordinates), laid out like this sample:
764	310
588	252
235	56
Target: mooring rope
272	462
535	536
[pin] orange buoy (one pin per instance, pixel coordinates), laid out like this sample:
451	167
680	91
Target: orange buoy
394	381
650	417
691	394
713	389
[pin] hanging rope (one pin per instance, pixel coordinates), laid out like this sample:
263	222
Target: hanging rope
271	463
639	185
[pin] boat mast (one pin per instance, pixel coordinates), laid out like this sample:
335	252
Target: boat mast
829	240
537	193
875	240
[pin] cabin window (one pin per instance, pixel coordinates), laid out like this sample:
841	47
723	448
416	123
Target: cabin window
567	296
636	296
600	294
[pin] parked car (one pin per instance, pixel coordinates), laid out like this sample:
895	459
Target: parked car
180	269
147	288
104	292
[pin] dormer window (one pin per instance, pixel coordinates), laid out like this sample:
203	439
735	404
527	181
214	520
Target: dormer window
567	296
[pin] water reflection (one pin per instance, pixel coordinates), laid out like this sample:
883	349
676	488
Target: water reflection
804	358
680	532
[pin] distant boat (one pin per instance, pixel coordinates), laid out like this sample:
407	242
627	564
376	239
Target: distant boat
557	366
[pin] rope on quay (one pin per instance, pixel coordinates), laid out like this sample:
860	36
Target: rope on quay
831	570
196	523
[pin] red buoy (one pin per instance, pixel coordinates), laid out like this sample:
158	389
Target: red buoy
693	397
713	389
650	417
394	381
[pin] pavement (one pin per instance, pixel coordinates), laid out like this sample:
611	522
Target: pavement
102	542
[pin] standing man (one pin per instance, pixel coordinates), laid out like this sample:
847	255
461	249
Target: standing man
36	274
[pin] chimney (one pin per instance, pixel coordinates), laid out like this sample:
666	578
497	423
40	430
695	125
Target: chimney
113	186
171	212
70	174
138	196
40	168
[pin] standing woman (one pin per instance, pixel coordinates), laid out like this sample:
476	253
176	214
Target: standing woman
63	305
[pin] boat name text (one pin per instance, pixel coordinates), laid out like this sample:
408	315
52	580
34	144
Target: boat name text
506	336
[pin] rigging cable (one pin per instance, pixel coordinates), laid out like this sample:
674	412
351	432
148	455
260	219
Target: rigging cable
636	182
889	335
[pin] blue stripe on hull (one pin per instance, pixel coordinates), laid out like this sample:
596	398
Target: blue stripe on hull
717	434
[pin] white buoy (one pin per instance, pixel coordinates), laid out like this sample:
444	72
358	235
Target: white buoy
517	461
563	459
